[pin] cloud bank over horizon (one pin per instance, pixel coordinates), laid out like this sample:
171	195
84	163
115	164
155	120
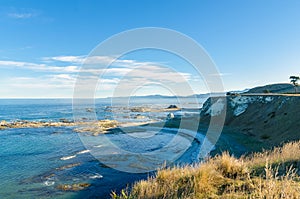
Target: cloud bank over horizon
55	76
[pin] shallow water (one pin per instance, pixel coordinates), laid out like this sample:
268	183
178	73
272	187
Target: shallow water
32	159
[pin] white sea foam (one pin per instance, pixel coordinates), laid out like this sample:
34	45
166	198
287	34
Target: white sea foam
84	151
96	176
49	183
68	157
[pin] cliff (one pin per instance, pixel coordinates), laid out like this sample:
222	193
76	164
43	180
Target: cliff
269	119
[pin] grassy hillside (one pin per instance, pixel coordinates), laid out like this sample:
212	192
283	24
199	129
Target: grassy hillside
270	174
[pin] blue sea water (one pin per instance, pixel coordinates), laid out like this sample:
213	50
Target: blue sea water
30	158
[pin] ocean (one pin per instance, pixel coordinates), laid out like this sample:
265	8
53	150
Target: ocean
34	162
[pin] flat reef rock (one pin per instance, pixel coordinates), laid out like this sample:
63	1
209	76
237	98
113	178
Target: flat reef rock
96	127
73	187
34	124
99	127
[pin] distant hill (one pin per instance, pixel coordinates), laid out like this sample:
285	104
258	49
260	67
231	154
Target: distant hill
274	88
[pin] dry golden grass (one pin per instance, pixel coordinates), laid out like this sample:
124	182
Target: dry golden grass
289	152
269	174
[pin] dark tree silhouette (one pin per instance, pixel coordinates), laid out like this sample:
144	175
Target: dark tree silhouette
294	81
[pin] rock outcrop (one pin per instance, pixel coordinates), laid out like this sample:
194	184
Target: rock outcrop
96	128
73	187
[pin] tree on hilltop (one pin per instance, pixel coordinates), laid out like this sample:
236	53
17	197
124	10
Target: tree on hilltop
294	81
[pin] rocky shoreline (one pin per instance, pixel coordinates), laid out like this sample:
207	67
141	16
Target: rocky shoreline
34	124
95	127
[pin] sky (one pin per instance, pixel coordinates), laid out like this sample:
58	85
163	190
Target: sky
43	44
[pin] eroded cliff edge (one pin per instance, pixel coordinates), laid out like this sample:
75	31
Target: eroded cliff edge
256	121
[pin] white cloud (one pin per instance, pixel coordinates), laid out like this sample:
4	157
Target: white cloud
63	77
12	63
220	74
69	59
39	67
21	15
60	81
109	81
81	59
72	69
41	83
151	72
146	76
105	60
122	74
95	61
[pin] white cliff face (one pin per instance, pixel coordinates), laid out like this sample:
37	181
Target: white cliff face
269	99
240	109
241	103
216	108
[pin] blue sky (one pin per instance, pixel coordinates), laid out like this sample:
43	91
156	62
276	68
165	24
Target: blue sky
43	43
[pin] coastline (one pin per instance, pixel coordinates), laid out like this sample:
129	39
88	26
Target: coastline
255	156
233	139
